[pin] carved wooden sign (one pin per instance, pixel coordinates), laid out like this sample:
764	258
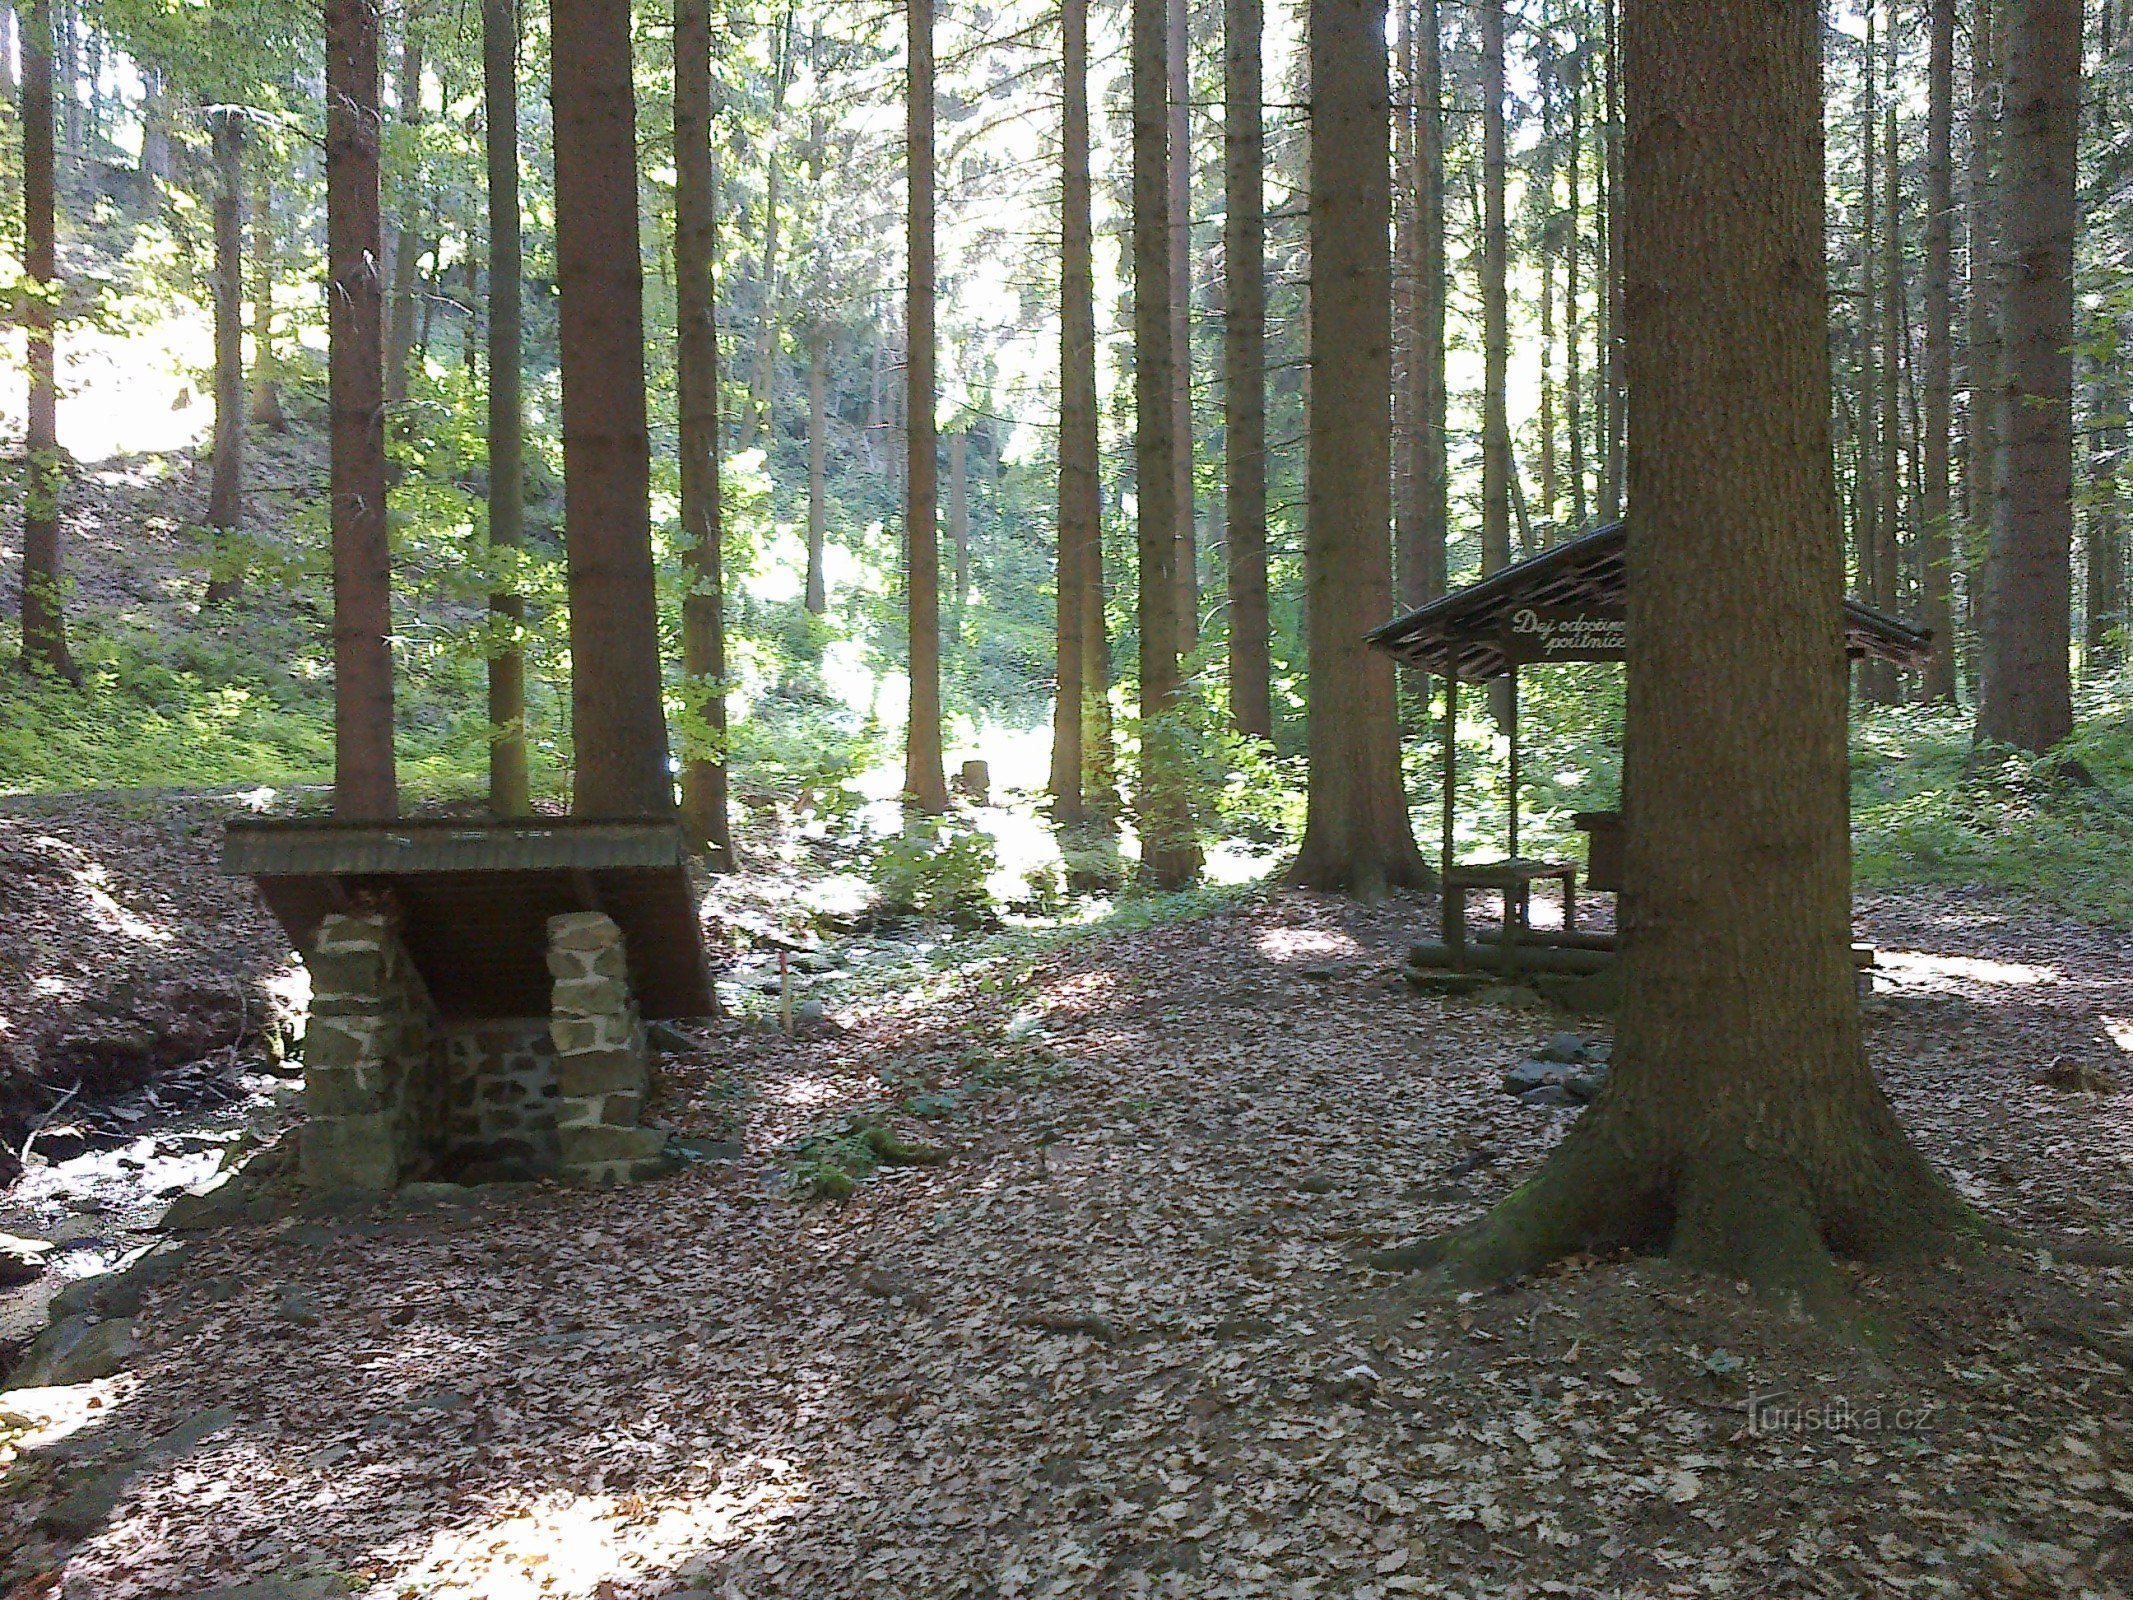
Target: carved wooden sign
1564	633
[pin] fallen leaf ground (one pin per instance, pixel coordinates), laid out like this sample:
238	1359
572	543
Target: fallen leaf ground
1116	1344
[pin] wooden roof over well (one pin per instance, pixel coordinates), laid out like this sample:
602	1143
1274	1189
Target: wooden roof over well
1468	633
474	899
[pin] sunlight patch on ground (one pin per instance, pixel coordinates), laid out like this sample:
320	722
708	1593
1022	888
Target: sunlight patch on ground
37	1418
91	880
2121	1031
1938	974
130	391
1305	944
801	1092
560	1545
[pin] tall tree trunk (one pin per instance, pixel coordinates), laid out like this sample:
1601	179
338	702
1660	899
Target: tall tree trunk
959	509
1251	704
1616	374
225	494
509	794
2025	697
763	372
364	784
1936	523
155	128
1888	558
1551	488
703	616
1170	855
1422	541
1741	1128
1495	300
409	205
817	465
265	404
1981	315
618	723
925	782
1179	69
44	582
1356	832
1866	480
1573	315
2104	607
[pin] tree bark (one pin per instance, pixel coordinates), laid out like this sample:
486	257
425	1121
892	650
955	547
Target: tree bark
1981	341
409	207
1616	373
1550	486
925	782
1170	854
2104	604
1866	477
1178	63
225	494
1741	1128
1078	511
1936	521
817	599
1251	705
1421	540
2025	697
509	792
1573	314
1356	833
763	374
44	581
704	782
364	783
1495	300
959	510
266	410
618	722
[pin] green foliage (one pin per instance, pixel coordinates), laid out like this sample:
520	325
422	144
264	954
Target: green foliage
937	867
831	1163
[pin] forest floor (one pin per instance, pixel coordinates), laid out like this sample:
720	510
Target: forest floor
1117	1341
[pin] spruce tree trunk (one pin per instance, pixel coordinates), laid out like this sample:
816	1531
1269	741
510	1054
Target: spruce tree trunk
959	510
1356	832
364	782
1936	508
1741	1128
2025	696
1251	704
409	206
817	466
1550	491
1616	376
44	582
1495	300
509	794
1888	486
925	782
618	722
704	811
1573	315
1178	63
225	494
1866	477
763	372
2104	604
265	405
1422	544
1981	333
1170	855
1078	510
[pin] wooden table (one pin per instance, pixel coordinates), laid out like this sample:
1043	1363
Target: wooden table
1514	880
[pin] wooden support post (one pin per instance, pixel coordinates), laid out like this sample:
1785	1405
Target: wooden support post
1451	767
1511	704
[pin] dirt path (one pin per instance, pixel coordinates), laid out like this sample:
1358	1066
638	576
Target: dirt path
1116	1344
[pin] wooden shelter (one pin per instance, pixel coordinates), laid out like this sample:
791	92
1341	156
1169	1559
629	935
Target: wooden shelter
1569	603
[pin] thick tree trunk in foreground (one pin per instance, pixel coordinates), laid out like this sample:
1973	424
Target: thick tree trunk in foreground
44	612
925	783
509	795
618	722
1356	833
703	615
2025	697
225	493
1741	1128
1170	855
1080	509
1244	368
1936	527
364	784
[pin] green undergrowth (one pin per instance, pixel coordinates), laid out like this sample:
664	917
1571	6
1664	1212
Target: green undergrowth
832	1162
1931	806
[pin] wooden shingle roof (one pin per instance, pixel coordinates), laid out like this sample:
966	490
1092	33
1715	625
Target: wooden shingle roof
1465	633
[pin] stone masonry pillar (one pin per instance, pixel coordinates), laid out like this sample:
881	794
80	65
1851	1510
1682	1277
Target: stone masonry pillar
366	1044
603	1070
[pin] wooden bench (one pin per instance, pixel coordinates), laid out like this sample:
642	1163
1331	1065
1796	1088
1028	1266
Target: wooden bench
1514	880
